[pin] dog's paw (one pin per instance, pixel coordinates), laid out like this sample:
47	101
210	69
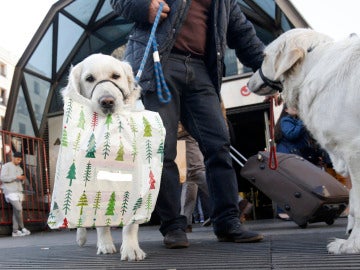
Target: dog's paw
81	236
334	247
106	248
341	246
132	254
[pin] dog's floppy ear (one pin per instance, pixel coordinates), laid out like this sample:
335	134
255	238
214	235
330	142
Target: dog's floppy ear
133	86
73	80
287	59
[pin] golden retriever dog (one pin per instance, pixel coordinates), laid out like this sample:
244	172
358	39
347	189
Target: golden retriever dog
108	84
320	78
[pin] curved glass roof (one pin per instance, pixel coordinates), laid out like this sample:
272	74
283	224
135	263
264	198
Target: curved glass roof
74	29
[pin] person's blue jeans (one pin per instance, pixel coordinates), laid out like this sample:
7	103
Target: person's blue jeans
196	104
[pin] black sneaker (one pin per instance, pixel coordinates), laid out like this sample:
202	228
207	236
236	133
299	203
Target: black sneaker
176	239
238	235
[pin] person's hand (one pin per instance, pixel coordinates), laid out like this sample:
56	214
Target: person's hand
277	99
154	7
21	177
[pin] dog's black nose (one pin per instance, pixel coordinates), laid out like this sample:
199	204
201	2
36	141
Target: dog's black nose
107	102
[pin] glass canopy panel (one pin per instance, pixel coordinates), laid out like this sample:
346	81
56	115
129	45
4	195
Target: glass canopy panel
285	25
91	45
105	10
21	122
41	60
267	6
38	92
82	9
117	33
57	104
69	34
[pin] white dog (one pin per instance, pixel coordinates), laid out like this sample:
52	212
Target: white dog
320	78
109	84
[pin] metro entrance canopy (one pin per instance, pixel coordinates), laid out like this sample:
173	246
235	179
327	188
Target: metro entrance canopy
74	29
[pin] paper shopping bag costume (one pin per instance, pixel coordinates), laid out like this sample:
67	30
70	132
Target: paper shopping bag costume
108	169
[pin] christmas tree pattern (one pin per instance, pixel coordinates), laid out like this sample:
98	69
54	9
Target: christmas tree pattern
76	144
148	204
106	148
151	180
160	150
64	138
81	123
133	126
134	150
87	173
94	120
79	222
68	110
65	224
160	126
148	151
71	173
147	128
125	202
67	201
120	124
120	152
137	204
91	147
97	201
83	201
51	220
110	208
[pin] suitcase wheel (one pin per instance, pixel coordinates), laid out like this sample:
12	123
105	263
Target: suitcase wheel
330	221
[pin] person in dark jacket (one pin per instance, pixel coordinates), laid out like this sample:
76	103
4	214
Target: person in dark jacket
192	37
291	135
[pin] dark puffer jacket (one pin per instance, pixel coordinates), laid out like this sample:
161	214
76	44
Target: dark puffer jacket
228	26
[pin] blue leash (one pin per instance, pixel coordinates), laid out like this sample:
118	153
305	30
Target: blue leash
161	85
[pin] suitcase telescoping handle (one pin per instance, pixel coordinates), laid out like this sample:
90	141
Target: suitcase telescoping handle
237	156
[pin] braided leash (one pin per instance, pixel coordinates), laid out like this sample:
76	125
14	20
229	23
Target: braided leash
161	85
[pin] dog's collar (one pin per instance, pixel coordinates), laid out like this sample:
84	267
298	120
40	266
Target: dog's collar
103	81
277	85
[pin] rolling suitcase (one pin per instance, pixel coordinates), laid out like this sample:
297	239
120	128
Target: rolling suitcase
306	192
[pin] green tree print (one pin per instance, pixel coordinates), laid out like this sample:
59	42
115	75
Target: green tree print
83	201
68	110
134	150
67	201
64	137
148	203
111	205
106	148
147	128
133	125
79	223
120	124
137	205
160	150
81	123
97	201
76	145
125	202
91	147
87	173
120	153
108	121
71	173
148	150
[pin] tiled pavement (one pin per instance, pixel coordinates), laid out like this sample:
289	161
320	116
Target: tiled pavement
286	246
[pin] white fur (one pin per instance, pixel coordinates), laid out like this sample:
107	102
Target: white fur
320	78
118	82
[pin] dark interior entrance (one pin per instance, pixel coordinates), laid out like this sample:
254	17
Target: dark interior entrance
248	137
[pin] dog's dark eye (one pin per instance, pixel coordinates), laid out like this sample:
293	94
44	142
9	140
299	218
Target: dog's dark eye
90	78
115	76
